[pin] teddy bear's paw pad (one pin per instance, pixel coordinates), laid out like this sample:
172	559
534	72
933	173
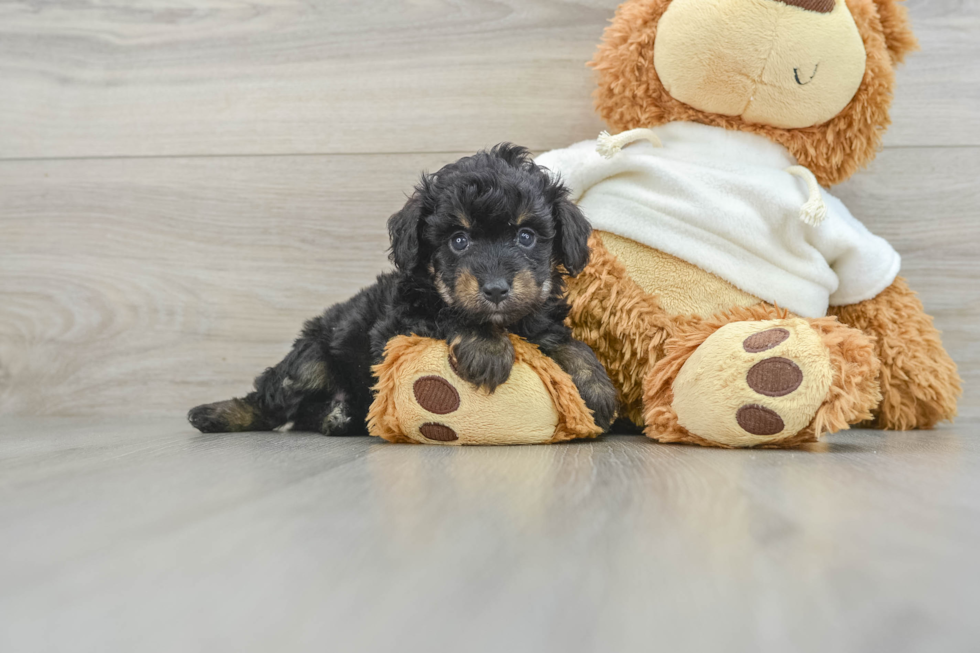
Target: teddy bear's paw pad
765	340
759	420
436	395
775	377
753	383
438	432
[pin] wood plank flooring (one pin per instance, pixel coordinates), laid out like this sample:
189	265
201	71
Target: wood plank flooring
136	535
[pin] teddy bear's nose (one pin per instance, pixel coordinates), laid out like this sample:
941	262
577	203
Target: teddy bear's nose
820	6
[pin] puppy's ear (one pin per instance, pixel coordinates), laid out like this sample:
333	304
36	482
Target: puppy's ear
572	234
405	229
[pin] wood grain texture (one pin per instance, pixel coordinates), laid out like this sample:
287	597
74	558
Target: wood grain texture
140	536
148	286
176	77
938	89
220	77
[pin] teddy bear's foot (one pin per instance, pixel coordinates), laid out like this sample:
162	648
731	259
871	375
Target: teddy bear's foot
765	383
751	383
420	398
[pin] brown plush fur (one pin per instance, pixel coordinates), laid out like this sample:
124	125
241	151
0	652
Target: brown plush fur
919	381
624	325
895	24
853	391
630	93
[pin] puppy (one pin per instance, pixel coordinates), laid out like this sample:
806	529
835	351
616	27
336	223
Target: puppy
480	249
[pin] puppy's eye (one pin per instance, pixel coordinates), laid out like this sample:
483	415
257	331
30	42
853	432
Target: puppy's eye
526	237
459	241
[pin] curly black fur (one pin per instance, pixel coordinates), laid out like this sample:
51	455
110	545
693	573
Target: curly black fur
480	249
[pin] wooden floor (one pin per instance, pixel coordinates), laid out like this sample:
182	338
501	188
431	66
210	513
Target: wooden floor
128	535
183	183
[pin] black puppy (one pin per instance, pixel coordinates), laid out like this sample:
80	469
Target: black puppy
480	250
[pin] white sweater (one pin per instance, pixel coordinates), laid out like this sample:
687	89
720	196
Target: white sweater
723	201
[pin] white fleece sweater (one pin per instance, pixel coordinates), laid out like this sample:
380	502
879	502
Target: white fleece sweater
723	201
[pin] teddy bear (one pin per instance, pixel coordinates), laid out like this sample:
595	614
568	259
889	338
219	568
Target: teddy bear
733	300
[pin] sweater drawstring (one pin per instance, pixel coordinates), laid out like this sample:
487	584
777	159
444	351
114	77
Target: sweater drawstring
608	145
814	211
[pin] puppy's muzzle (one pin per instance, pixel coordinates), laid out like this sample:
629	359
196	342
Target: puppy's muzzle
495	290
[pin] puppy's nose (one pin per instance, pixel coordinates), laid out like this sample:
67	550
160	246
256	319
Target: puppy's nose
496	290
820	6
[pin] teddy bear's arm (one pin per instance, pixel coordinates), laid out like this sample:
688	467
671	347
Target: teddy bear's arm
919	381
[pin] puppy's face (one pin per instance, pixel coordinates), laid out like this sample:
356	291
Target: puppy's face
493	264
491	231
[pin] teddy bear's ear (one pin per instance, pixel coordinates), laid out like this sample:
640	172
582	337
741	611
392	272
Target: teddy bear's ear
897	28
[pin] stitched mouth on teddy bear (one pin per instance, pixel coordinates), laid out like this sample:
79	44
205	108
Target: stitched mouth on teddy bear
799	79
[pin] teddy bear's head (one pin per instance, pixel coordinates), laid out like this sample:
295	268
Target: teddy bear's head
813	75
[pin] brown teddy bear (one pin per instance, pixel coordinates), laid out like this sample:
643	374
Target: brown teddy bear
735	302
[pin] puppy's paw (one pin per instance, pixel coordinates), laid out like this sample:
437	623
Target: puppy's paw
599	395
206	419
484	362
229	416
591	380
337	420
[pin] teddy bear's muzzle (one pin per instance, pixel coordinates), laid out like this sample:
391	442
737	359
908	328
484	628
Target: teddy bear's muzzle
760	59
